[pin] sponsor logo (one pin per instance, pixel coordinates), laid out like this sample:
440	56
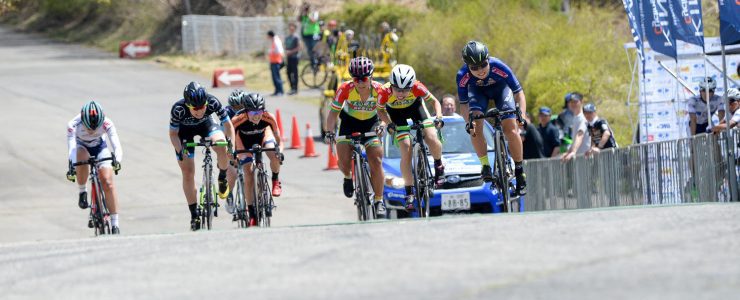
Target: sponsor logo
464	80
663	91
179	112
664	126
490	81
479	82
663	113
499	72
663	135
685	69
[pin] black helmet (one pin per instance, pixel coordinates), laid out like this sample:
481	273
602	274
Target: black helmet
475	53
235	99
195	94
92	115
253	101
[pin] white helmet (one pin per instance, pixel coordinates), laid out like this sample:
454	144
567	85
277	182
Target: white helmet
733	94
709	84
403	76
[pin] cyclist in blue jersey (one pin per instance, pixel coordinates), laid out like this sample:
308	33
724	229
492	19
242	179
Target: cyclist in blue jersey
483	78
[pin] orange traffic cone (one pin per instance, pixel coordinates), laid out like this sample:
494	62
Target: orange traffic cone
296	140
280	125
333	163
310	150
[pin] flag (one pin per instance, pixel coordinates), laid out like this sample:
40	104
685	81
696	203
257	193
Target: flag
729	21
686	22
633	15
657	22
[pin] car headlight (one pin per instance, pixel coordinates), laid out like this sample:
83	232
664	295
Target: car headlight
394	182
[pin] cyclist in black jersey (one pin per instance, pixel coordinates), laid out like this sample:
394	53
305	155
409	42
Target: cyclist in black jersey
190	117
602	136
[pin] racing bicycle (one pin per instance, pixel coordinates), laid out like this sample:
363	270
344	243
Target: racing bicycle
207	198
99	214
361	176
262	195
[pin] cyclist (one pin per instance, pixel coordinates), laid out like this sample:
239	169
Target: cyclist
355	104
401	99
189	117
483	78
85	139
697	107
733	96
234	106
256	126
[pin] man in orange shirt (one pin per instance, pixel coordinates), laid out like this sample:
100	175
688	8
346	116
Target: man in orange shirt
275	56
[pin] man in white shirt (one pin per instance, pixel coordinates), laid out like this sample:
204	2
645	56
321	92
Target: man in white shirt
733	95
578	128
697	106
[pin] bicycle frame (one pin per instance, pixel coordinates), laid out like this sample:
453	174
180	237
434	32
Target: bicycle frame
208	201
262	196
423	183
98	210
503	173
361	176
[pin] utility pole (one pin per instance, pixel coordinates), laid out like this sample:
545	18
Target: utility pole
187	7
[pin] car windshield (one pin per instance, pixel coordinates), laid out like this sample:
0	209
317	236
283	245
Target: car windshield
456	138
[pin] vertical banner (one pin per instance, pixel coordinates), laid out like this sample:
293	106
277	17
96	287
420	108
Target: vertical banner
729	21
657	22
686	21
633	15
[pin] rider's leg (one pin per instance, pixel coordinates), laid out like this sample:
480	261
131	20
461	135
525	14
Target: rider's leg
344	159
105	173
277	189
433	142
511	131
404	144
479	143
223	162
375	160
82	172
187	168
248	181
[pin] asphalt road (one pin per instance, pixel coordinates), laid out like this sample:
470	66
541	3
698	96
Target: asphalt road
44	85
659	252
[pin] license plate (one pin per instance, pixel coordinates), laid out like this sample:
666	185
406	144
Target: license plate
456	201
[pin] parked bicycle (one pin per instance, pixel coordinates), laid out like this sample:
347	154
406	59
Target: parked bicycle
420	168
207	198
262	194
503	172
99	214
361	176
317	71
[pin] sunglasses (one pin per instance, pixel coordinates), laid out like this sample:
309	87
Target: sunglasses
196	107
362	79
399	90
254	113
478	67
704	91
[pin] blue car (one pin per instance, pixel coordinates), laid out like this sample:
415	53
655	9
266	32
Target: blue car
463	191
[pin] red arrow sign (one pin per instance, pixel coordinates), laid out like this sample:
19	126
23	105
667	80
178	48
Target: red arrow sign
228	77
134	49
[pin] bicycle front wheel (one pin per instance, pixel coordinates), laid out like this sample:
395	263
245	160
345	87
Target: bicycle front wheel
314	76
240	203
502	178
266	199
425	176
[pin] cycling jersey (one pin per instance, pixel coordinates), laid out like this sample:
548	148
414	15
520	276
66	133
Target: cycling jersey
597	128
93	141
348	100
386	97
249	134
230	111
699	108
475	91
180	114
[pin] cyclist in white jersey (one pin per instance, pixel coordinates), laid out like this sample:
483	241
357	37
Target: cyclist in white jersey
92	134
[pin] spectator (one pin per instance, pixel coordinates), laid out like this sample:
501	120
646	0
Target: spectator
332	36
578	128
697	106
293	52
448	105
549	133
531	142
602	136
311	30
566	116
733	96
276	61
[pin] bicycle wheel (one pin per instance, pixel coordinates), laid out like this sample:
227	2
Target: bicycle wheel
265	206
99	202
369	203
359	189
424	174
207	205
501	180
314	77
256	195
239	202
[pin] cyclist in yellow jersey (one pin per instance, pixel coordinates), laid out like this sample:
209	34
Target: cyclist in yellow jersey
355	104
401	99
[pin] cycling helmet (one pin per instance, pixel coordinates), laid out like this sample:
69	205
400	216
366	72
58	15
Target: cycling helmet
733	94
403	76
475	53
195	94
709	84
589	107
92	115
253	101
361	67
236	97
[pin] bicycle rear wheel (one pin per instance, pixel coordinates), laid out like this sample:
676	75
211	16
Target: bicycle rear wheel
424	176
240	203
99	203
265	198
501	180
369	202
314	77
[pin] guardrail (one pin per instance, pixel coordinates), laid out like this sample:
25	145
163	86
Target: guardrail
695	169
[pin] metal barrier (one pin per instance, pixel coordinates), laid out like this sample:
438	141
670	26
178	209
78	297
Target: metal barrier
219	35
695	169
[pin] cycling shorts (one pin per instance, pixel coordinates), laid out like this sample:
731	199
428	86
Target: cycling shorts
349	125
204	129
501	94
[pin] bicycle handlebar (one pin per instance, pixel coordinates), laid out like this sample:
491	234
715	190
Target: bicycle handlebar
92	161
206	143
419	125
357	135
495	113
257	150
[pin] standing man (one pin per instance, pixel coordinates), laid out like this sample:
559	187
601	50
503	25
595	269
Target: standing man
733	95
578	129
483	78
311	30
549	132
602	136
448	105
531	142
697	107
293	52
276	61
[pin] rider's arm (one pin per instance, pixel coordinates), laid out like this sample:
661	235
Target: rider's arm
380	107
71	132
420	90
605	136
175	140
692	122
175	119
336	106
270	119
229	130
522	102
110	129
223	115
